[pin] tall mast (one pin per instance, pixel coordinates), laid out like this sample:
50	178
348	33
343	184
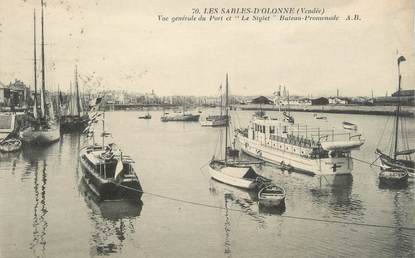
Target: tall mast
43	104
398	107
78	106
227	119
35	64
288	93
221	104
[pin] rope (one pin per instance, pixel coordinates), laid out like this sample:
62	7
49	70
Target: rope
283	216
366	162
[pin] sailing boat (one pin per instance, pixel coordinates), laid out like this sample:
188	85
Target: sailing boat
236	173
75	120
287	115
44	128
215	120
397	164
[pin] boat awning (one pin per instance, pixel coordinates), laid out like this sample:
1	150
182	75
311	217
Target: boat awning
239	172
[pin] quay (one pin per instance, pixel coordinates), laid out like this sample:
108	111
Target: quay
407	111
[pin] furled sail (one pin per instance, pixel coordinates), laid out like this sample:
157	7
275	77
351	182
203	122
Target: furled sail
405	152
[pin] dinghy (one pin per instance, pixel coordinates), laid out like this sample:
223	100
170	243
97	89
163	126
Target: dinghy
271	195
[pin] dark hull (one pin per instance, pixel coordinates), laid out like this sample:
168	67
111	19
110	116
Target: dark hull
73	124
181	118
109	189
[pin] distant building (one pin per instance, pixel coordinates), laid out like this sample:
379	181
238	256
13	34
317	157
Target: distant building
338	101
320	101
404	93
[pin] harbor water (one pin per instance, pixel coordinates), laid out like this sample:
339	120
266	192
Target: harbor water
48	211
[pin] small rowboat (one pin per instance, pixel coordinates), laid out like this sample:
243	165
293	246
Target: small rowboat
393	176
148	116
349	126
271	195
10	145
316	116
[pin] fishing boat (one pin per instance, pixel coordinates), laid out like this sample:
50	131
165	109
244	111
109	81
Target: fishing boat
75	120
44	127
271	195
398	161
108	171
236	173
180	117
317	116
146	116
349	126
303	149
215	120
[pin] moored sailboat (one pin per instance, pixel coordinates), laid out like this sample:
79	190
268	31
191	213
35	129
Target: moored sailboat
215	120
74	119
232	172
397	163
44	126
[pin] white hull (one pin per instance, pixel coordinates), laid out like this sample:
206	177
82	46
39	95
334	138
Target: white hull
271	202
212	123
218	175
43	136
282	154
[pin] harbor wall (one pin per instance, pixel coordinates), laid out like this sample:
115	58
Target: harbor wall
407	111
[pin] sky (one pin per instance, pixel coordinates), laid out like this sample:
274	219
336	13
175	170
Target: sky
122	45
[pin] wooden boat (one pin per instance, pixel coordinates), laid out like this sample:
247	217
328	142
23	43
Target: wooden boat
349	126
235	173
44	128
74	120
393	175
399	161
147	116
271	195
180	118
108	171
9	127
215	120
317	116
10	145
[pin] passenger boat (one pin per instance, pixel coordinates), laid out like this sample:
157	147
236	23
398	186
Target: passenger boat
349	126
74	120
271	195
44	127
308	150
231	172
108	171
215	120
398	160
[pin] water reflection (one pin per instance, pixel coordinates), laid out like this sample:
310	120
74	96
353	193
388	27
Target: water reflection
339	198
112	221
39	221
